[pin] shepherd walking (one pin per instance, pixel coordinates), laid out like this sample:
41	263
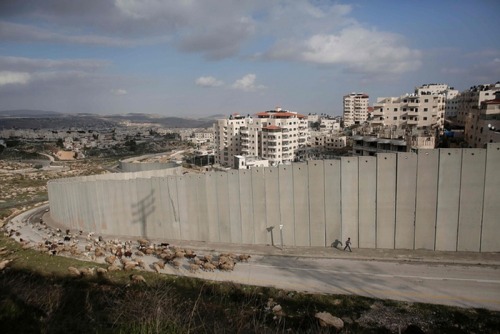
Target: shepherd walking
348	244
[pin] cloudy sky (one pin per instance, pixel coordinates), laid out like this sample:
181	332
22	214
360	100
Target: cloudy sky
205	57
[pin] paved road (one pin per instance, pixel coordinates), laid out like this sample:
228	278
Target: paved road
464	286
431	277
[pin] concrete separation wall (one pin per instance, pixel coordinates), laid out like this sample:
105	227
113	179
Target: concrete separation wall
446	199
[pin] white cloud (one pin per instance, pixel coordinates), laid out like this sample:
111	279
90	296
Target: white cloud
14	78
119	92
208	82
247	83
357	48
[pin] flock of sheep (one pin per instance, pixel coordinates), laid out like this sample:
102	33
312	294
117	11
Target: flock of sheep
129	255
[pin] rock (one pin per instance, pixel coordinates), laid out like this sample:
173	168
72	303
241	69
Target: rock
328	320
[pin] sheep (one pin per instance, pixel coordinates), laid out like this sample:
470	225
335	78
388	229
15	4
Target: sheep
139	253
160	264
74	272
110	259
87	272
193	267
137	279
167	256
101	271
130	265
207	258
143	242
226	267
141	264
179	254
208	266
176	264
244	257
99	252
190	255
114	268
156	267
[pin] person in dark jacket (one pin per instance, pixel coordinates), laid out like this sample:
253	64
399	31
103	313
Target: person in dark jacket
348	244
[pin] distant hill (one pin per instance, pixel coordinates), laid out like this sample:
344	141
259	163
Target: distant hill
29	113
39	119
168	122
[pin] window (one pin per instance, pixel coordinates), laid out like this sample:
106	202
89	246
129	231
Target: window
425	118
395	118
426	100
395	109
426	109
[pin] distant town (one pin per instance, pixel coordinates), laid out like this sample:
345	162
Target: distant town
432	116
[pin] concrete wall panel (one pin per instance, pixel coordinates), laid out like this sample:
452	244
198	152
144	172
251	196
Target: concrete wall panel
426	205
246	201
367	201
386	199
286	203
471	200
317	203
406	189
491	206
173	198
184	214
273	218
301	204
450	163
203	228
212	218
159	214
234	206
194	217
223	207
350	203
332	202
259	205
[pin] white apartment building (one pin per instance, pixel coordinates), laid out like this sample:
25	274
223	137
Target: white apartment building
424	111
355	108
277	135
450	94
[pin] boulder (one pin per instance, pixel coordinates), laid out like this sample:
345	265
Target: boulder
328	320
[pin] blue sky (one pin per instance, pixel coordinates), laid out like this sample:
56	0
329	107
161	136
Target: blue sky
205	57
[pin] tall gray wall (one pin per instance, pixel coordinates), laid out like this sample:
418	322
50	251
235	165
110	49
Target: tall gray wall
446	199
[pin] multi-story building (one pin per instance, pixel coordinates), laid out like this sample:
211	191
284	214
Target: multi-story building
276	135
424	111
483	125
370	140
450	94
470	109
355	108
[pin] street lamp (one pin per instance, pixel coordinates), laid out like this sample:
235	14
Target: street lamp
281	235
